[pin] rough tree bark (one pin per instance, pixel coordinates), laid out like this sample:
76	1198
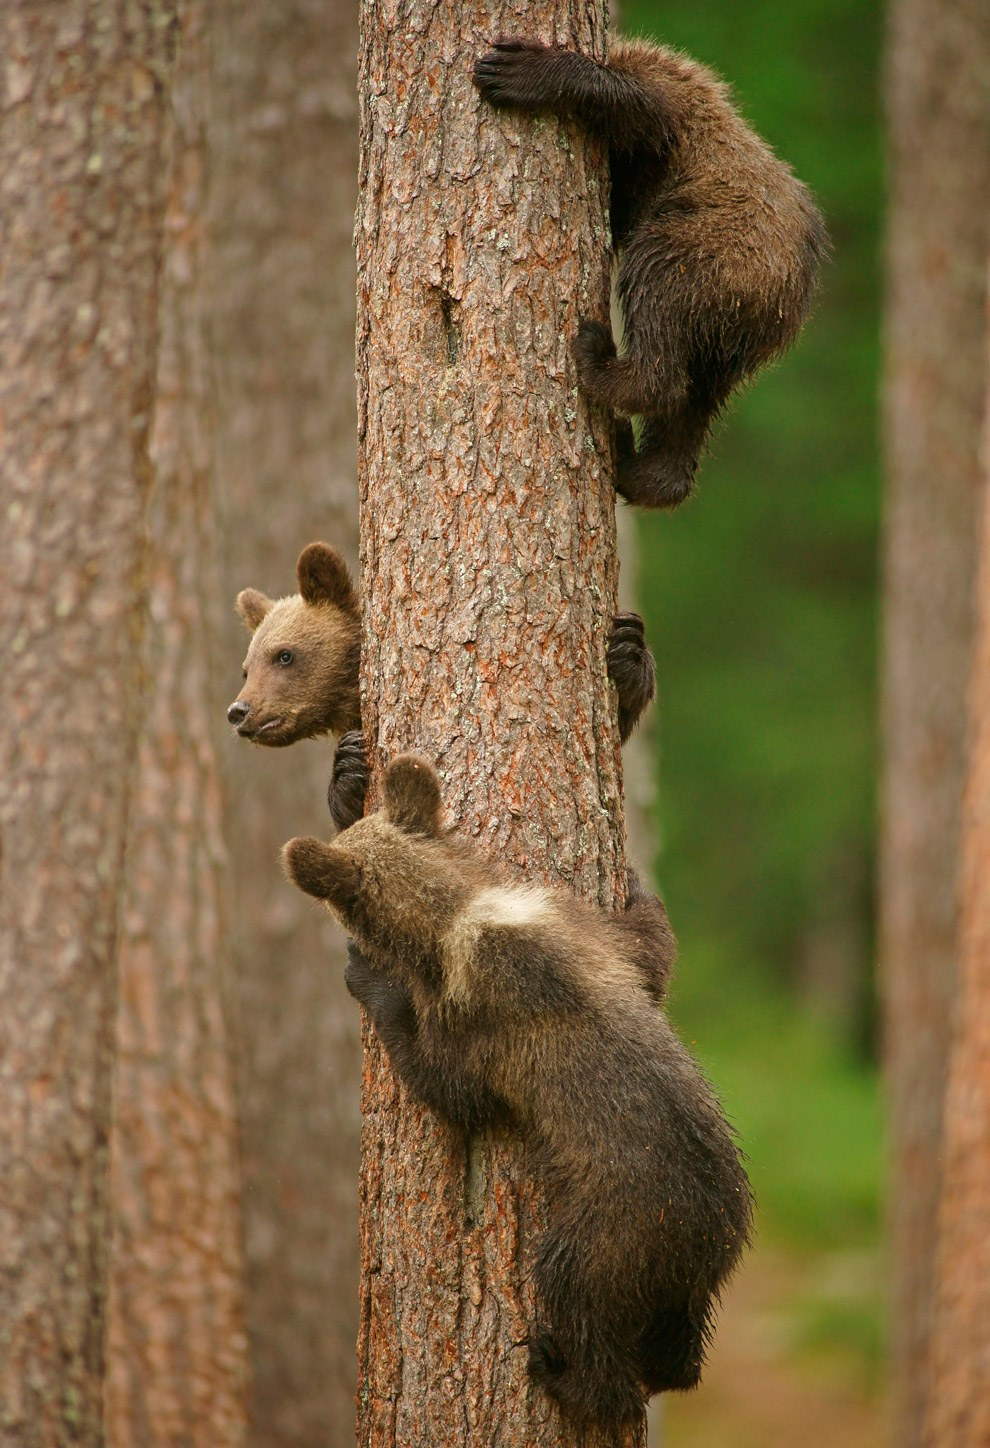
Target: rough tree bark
959	1399
83	110
488	553
285	154
938	57
177	1350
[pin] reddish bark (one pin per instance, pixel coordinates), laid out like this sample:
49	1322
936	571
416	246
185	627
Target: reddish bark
939	53
488	549
959	1400
85	104
177	1350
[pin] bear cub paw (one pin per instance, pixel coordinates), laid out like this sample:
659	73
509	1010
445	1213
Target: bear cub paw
509	73
348	780
546	1361
632	669
592	348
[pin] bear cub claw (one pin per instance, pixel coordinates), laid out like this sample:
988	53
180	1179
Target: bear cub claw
348	780
506	73
632	669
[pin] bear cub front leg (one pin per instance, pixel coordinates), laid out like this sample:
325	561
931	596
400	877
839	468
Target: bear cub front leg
427	1063
387	1002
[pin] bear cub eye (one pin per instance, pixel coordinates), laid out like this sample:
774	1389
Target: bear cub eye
284	656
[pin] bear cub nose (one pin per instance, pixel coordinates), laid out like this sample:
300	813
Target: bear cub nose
237	712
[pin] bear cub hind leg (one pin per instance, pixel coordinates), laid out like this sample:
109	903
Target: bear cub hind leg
583	1352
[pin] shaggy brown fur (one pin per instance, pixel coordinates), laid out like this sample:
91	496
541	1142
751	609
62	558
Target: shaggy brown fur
719	244
301	674
505	1003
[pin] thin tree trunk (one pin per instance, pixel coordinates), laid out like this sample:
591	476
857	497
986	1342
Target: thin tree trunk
285	151
85	106
639	782
177	1349
938	58
959	1402
488	549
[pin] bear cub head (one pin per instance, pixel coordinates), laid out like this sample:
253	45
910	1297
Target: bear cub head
395	878
302	666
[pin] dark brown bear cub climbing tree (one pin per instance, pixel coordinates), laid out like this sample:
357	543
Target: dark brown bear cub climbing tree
718	243
505	1004
488	576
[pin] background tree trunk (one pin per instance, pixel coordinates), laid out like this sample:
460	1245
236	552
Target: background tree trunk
81	155
177	1362
488	548
959	1404
285	165
938	58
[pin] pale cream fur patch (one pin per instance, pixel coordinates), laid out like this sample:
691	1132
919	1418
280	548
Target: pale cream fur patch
521	906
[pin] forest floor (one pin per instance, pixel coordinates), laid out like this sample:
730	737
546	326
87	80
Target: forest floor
778	1375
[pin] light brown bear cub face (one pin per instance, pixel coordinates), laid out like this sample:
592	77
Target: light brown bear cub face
301	669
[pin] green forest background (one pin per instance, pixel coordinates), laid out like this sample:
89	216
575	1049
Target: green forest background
760	597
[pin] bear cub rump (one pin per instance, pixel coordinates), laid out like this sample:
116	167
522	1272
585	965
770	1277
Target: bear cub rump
511	1004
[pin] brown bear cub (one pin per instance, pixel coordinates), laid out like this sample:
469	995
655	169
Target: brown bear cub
301	669
719	244
502	1003
301	673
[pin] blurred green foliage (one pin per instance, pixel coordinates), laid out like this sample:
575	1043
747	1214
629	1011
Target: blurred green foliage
761	592
760	596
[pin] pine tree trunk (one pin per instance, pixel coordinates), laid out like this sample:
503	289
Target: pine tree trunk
285	185
177	1350
939	52
959	1403
85	107
489	571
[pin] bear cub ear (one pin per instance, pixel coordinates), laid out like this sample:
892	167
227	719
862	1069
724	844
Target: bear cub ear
411	792
323	871
323	577
252	607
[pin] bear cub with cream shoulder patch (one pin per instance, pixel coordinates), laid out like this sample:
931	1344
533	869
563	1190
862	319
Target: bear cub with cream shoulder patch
513	1005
